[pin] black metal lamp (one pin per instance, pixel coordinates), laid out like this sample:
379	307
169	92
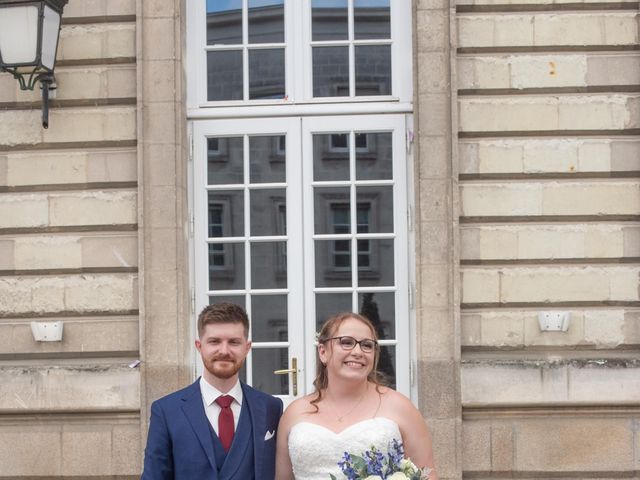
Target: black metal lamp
29	32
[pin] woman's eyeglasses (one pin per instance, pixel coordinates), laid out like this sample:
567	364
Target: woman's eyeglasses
349	343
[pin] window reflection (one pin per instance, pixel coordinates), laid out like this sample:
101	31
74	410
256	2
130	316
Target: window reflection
329	20
266	21
266	73
225	162
372	19
224	22
373	70
224	75
330	71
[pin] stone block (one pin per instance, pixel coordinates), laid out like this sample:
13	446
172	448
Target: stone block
100	293
498	243
46	168
493	199
104	40
86	450
160	123
631	241
434	287
115	81
594	156
433	72
434	117
158	39
550	243
114	387
632	327
47	252
591	198
552	156
510	114
435	198
476	446
20	127
23	210
91	208
625	155
88	125
438	385
7	261
112	166
470	325
557	284
495	31
624	284
33	450
613	69
3	170
99	8
593	28
432	28
574	444
437	237
446	434
611	112
483	72
159	78
435	152
604	328
500	157
468	158
604	241
502	331
480	286
470	243
127	450
532	71
121	81
436	336
109	251
502	447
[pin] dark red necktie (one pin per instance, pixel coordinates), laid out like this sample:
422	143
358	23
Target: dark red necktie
225	421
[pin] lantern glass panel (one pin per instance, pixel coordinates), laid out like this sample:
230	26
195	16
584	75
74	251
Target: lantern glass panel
18	34
50	29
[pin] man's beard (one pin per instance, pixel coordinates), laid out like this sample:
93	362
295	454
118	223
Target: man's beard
220	370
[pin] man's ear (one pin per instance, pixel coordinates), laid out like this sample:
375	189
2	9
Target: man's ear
198	344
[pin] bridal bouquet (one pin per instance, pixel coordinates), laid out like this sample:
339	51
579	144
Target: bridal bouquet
375	465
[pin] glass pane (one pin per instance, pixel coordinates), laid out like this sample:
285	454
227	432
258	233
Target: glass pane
373	70
333	263
331	210
226	266
331	71
266	73
268	265
265	361
330	20
224	22
266	21
374	157
328	304
237	299
375	263
267	159
331	156
268	211
224	75
226	213
371	19
224	160
387	366
269	318
379	307
375	209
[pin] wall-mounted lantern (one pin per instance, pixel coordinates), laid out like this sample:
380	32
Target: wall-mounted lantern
29	32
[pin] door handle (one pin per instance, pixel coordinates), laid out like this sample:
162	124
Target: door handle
294	371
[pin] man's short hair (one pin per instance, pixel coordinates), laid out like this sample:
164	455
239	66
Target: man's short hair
223	312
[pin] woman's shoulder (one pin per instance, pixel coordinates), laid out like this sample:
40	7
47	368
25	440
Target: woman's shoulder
396	406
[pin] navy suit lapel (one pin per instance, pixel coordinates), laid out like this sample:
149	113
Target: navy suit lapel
193	409
258	424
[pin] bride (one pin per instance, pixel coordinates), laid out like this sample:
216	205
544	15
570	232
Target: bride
349	411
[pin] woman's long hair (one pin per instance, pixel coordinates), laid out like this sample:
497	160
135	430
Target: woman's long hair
328	330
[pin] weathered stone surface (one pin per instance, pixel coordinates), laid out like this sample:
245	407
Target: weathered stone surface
98	8
113	387
104	40
87	208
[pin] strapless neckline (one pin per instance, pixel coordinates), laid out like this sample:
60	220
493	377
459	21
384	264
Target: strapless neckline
353	425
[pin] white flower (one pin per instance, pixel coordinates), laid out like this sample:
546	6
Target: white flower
373	477
397	476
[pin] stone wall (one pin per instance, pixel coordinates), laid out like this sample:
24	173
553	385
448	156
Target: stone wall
69	252
549	160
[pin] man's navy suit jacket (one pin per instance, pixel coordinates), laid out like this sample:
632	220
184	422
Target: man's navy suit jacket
180	443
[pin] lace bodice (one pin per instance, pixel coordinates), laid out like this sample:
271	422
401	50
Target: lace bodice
315	450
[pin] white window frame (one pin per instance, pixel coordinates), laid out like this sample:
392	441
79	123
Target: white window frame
298	67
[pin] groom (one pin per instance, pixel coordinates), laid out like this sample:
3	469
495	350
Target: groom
217	428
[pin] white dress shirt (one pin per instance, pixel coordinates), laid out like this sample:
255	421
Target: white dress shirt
212	409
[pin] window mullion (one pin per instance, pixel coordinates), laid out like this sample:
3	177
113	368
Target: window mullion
352	54
245	49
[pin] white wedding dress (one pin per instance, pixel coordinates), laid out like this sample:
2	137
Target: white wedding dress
315	450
